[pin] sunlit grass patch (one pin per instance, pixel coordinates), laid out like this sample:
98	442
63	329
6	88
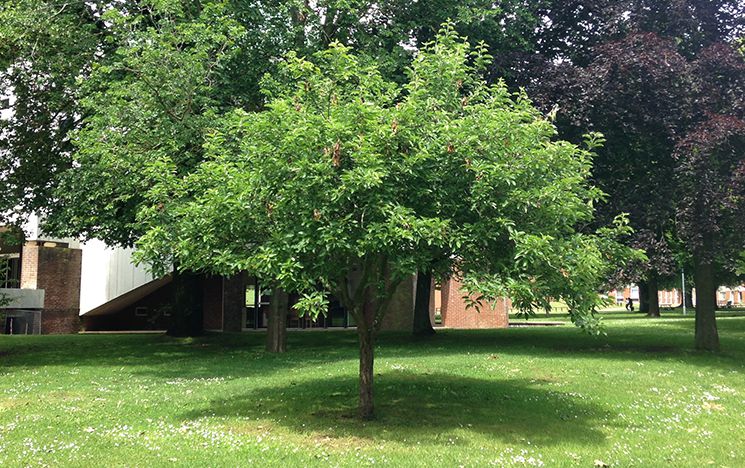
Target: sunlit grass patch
639	396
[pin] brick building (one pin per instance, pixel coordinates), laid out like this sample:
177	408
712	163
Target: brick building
63	285
229	304
454	313
42	284
727	296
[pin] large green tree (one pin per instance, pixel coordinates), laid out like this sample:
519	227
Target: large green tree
646	83
150	74
45	48
338	184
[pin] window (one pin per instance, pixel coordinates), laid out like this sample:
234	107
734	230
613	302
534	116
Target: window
10	271
257	300
140	311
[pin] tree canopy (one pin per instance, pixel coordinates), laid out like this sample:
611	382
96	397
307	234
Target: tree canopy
652	88
337	185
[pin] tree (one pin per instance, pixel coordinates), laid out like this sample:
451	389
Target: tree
711	178
152	97
45	47
712	181
625	68
637	91
646	93
101	65
741	264
422	321
329	191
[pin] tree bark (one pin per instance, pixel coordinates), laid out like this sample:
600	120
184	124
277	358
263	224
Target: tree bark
362	296
187	313
688	298
422	322
653	299
276	329
707	337
367	342
643	297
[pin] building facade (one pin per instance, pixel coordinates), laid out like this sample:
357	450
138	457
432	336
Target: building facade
49	282
55	285
727	296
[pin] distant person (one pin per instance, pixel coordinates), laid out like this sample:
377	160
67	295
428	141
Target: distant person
629	305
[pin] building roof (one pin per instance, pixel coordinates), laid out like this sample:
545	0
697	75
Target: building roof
129	298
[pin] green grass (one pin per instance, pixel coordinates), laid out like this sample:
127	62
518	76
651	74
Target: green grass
518	397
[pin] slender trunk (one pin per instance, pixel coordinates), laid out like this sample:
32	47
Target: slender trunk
422	322
707	337
276	331
689	298
653	299
361	295
643	297
367	343
187	313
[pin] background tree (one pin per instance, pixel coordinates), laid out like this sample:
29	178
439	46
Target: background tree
151	99
712	182
45	48
53	54
637	91
638	85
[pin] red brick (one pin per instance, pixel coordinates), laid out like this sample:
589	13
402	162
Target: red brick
455	314
56	270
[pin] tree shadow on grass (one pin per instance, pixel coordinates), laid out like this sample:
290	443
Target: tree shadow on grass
237	355
243	355
420	408
670	340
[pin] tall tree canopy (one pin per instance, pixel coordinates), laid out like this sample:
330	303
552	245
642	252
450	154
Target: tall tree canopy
648	90
711	178
45	48
149	75
50	50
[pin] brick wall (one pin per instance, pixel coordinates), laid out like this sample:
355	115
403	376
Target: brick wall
59	276
60	321
233	302
29	265
400	314
56	270
456	315
212	303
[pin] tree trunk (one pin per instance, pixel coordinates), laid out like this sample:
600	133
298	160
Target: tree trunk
367	342
653	299
422	322
187	313
360	293
707	337
643	297
276	329
688	298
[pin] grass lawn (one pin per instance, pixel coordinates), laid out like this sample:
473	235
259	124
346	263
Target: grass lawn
518	397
